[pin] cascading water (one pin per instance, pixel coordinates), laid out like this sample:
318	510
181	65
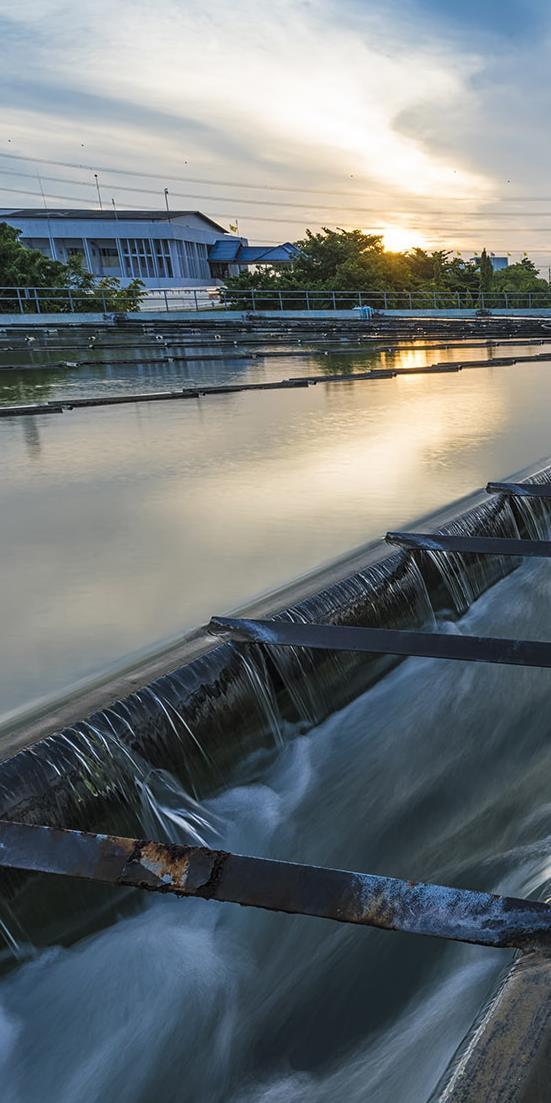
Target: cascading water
439	771
436	772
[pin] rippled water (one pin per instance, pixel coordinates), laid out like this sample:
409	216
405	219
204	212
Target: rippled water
440	772
124	527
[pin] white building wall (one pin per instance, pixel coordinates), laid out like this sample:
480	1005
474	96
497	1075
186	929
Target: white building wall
161	252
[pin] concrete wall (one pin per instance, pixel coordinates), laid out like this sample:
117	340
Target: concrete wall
219	316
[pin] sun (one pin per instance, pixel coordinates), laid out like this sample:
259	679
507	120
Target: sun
398	239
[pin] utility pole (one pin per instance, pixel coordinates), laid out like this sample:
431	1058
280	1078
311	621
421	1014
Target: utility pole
98	191
114	208
166	200
50	235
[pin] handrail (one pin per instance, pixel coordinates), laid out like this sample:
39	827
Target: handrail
39	299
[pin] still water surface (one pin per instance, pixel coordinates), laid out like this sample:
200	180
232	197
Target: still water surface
123	527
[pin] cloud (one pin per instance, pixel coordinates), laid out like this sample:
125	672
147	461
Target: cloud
416	105
295	77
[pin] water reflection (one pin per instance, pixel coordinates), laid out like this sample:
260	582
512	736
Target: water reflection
55	376
124	526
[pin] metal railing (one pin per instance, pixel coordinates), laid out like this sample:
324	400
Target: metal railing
61	300
68	300
383	300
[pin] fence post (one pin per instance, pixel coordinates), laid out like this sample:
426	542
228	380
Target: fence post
19	301
385	300
37	300
529	300
410	301
253	300
71	306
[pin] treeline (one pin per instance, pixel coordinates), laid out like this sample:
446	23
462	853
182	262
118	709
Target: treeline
351	260
68	286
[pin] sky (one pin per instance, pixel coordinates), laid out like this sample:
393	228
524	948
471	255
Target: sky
426	120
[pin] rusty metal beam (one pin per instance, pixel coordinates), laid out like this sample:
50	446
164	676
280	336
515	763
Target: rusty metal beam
385	641
468	545
521	490
372	901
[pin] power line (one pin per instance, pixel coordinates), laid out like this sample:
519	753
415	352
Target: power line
435	243
301	222
168	176
246	184
416	214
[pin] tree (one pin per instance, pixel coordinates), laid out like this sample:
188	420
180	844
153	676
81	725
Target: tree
353	260
91	293
486	271
21	267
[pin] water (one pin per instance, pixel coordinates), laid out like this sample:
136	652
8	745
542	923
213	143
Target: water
124	527
45	383
439	772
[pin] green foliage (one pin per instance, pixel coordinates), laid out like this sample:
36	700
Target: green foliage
21	267
92	294
523	276
71	284
351	260
486	271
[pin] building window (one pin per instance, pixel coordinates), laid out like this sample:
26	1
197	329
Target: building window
138	259
163	258
193	260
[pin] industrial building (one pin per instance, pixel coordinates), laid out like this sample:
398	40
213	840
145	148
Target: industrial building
164	249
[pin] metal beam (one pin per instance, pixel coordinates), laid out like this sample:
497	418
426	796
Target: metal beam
521	490
386	641
478	545
348	897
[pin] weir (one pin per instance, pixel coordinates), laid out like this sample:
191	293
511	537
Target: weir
198	718
223	702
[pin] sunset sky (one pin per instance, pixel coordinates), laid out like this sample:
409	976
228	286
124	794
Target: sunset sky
423	119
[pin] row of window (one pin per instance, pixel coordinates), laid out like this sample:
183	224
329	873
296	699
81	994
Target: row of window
144	258
193	259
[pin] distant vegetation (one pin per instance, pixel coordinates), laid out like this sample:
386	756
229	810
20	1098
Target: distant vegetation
71	285
351	260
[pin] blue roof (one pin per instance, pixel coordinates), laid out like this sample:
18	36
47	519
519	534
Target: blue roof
233	251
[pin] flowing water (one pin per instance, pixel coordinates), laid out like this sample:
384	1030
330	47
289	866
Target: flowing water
124	527
438	772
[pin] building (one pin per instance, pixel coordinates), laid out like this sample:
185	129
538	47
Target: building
497	262
161	248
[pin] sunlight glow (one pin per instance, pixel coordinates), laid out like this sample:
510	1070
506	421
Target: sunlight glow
398	239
